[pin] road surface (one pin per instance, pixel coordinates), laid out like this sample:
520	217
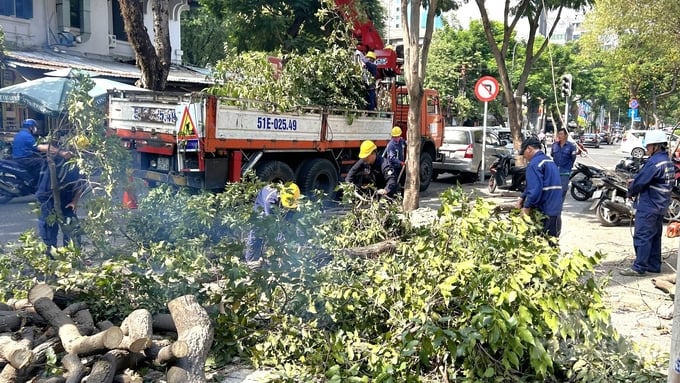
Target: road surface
19	216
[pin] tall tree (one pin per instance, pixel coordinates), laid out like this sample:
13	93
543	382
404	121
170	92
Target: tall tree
415	65
531	10
639	50
203	37
153	58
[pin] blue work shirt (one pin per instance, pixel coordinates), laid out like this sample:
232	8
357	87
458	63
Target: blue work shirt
24	145
395	152
70	181
653	184
564	157
381	175
266	199
544	188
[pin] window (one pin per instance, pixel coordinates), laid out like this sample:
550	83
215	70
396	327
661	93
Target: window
117	22
22	9
75	13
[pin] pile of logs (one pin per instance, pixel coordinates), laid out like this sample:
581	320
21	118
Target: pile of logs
33	329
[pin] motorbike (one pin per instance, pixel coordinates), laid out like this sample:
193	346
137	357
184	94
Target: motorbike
582	186
630	165
15	181
504	167
611	205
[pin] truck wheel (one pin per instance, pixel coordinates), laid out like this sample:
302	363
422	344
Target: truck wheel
275	171
318	174
426	171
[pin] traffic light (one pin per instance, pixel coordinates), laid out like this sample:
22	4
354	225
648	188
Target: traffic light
566	85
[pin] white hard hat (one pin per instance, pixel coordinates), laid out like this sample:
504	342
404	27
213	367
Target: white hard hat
655	137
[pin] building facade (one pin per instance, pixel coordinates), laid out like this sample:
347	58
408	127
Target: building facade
47	35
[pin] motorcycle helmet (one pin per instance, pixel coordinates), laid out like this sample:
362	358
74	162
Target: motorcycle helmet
655	137
30	124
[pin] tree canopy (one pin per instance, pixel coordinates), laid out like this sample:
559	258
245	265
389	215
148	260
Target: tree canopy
279	25
639	51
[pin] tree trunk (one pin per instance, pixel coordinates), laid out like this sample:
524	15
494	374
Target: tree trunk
153	61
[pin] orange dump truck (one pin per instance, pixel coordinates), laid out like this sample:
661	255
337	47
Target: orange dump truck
204	141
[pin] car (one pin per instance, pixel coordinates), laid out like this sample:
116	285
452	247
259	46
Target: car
632	142
606	138
461	151
590	140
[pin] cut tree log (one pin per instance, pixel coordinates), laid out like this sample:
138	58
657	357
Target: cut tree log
163	323
106	368
75	371
71	339
137	330
373	250
19	352
9	321
165	352
195	328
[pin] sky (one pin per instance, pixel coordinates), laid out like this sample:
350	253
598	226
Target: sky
469	12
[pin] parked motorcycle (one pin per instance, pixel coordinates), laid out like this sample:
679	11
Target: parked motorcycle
15	181
611	205
630	165
504	167
582	186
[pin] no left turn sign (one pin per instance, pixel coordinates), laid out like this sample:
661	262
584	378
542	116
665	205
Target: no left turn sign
486	89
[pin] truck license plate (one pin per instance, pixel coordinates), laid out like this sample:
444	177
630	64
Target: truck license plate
163	163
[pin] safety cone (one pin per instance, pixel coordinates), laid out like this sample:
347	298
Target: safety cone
129	201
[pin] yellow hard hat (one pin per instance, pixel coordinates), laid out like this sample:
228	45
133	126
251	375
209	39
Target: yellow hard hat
81	142
389	47
289	195
396	131
367	147
371	55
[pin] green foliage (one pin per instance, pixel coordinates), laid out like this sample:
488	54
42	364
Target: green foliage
278	25
472	297
318	78
203	37
638	53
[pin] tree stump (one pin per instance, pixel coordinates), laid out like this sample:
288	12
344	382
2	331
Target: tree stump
195	328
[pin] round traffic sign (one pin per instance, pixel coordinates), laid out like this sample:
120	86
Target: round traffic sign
633	104
486	89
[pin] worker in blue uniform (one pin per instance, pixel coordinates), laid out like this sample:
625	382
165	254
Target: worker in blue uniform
651	187
544	189
25	148
70	185
564	155
373	171
285	196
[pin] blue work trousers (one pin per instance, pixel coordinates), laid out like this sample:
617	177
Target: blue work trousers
49	231
565	185
553	225
647	241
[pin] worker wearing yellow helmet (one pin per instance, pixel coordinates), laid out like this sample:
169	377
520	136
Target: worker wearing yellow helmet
396	152
373	171
285	196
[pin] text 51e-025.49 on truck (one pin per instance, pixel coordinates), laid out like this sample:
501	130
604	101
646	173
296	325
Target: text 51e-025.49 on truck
203	141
